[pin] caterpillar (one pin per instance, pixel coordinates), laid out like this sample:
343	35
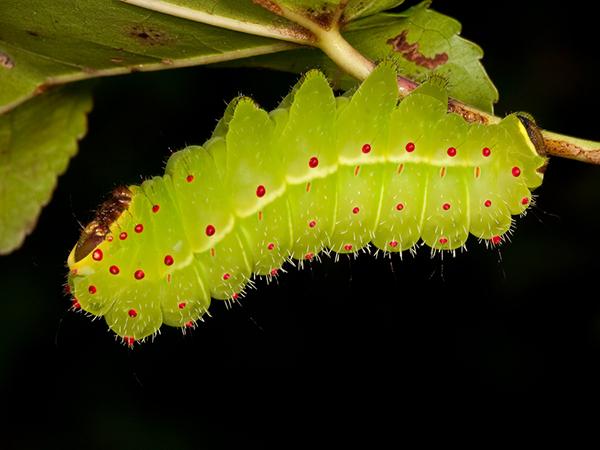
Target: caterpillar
318	173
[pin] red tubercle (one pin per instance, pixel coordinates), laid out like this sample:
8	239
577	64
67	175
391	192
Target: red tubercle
210	230
75	303
73	272
129	341
516	171
226	276
451	152
123	235
189	178
309	256
139	228
274	272
235	296
189	324
312	223
155	208
348	247
132	313
400	206
67	289
443	240
496	240
446	206
393	244
114	270
109	238
181	305
410	147
486	152
525	201
169	260
271	246
92	289
355	210
488	203
97	255
366	148
313	162
139	274
260	191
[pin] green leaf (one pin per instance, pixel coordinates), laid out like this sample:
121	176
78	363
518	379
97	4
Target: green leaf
37	140
47	42
420	41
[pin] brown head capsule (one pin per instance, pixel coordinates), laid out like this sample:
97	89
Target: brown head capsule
108	212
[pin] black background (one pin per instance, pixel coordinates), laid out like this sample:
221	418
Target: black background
367	347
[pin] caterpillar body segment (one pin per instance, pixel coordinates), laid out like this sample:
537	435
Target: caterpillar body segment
318	172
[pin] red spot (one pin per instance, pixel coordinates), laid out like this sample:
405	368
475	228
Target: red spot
139	228
129	340
309	256
169	260
210	230
109	238
486	152
155	208
73	272
132	313
189	178
260	191
139	274
516	171
75	304
226	276
524	201
348	247
92	289
410	147
114	270
271	246
366	148
446	206
313	162
189	324
181	305
235	296
355	210
394	244
67	289
400	206
488	203
274	272
312	223
443	241
451	152
496	240
97	255
123	236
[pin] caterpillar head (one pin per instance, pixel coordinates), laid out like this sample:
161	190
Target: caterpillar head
95	232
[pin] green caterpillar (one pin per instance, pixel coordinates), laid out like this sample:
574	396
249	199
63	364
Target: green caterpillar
318	172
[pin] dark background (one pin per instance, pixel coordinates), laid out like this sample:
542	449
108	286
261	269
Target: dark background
369	347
